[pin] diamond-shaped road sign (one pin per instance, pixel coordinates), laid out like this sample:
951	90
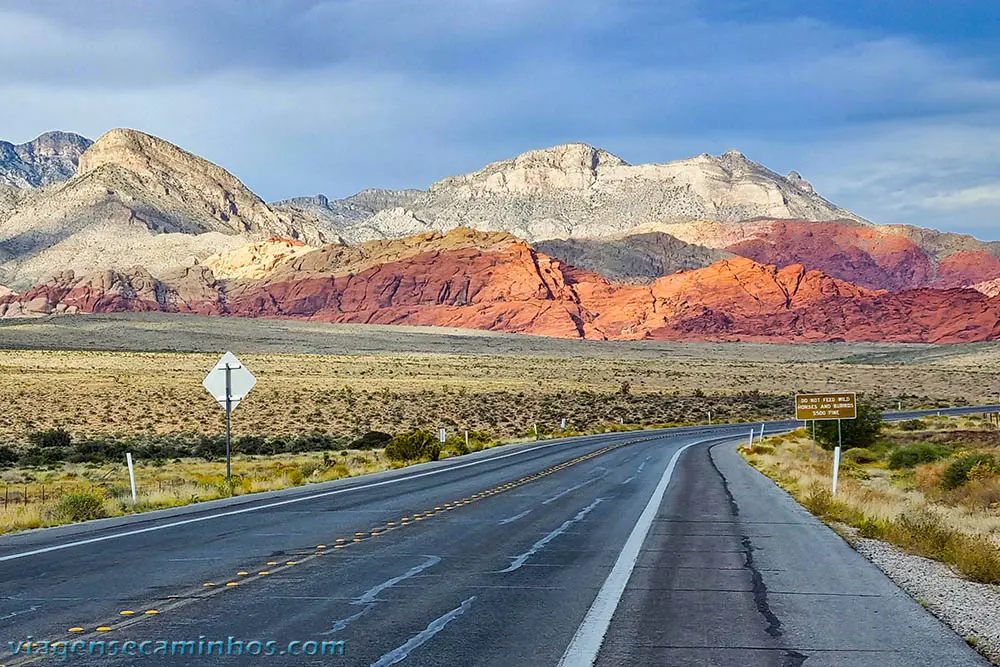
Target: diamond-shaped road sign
240	380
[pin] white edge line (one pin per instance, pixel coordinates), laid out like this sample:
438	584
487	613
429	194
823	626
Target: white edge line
586	643
255	508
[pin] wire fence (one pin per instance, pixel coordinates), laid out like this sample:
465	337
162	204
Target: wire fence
22	495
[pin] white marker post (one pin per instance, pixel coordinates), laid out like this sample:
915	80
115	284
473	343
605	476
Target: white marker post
442	435
131	473
536	430
466	439
836	460
751	438
563	423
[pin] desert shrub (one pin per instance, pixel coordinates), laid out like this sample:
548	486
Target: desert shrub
914	454
861	455
310	468
295	476
253	444
43	456
960	469
312	442
928	476
8	456
978	559
338	471
80	507
55	437
210	447
979	495
912	425
456	443
849	468
433	451
413	445
860	432
372	440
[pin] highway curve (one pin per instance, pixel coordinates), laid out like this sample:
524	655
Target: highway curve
646	548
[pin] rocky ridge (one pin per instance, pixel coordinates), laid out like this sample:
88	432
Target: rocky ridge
50	158
136	200
577	190
636	259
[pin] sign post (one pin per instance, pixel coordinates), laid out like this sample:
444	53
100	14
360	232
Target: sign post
229	382
825	407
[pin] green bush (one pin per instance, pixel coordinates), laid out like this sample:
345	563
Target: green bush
8	456
56	437
80	507
861	455
913	425
372	440
860	432
912	455
957	473
413	445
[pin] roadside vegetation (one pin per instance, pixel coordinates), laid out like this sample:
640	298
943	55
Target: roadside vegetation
929	486
69	418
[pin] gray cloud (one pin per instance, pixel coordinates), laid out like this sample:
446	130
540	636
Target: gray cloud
301	97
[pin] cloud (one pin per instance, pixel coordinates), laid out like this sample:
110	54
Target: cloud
300	97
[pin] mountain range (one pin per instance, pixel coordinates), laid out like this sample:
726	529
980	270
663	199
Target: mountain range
567	241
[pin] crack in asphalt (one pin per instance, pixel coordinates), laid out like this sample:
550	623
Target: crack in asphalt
790	658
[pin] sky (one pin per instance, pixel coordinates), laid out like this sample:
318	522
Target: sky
889	108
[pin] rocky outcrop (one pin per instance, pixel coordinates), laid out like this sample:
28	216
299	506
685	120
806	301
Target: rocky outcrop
881	257
50	158
189	290
637	259
577	191
340	213
496	282
256	260
989	288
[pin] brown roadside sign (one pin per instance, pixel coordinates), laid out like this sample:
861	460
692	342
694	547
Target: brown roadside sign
842	405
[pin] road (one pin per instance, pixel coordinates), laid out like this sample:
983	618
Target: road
643	548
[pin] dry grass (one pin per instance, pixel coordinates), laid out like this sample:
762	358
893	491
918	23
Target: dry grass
906	508
179	483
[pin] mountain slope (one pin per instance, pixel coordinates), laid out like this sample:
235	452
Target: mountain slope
637	259
893	257
340	213
50	158
576	190
136	199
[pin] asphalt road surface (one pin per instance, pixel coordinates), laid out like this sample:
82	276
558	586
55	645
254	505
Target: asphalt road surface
650	548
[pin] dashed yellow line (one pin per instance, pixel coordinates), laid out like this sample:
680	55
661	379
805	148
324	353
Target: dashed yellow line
341	543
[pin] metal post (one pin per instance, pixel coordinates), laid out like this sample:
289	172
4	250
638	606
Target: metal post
814	438
229	412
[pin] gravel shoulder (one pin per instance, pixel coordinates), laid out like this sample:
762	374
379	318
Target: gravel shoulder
970	609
